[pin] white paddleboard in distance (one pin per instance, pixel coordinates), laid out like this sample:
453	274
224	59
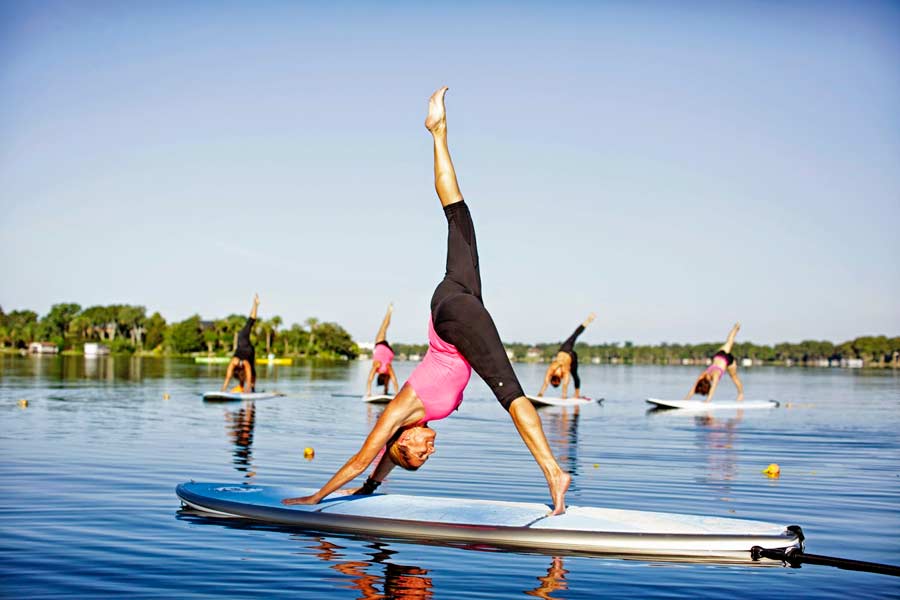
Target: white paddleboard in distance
700	405
554	401
523	525
378	398
235	396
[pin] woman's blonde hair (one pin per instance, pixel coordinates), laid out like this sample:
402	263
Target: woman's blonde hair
399	454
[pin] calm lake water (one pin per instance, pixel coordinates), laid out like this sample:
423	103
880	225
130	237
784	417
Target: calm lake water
91	464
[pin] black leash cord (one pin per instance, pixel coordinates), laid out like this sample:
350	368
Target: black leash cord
795	557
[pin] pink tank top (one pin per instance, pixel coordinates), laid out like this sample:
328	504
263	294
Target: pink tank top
441	377
717	365
384	355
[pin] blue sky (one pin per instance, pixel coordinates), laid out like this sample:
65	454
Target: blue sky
673	166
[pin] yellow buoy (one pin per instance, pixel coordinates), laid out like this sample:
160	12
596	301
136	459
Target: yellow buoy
309	453
772	470
23	403
165	396
596	466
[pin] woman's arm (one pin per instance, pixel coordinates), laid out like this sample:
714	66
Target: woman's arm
229	373
379	474
713	386
565	385
374	368
694	386
405	409
546	380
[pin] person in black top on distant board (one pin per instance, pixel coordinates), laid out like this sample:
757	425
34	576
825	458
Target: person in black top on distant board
566	364
243	363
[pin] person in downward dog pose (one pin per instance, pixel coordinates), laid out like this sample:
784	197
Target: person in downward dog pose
722	361
243	363
566	363
461	337
382	357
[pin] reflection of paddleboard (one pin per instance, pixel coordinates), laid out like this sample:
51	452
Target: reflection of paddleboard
233	396
378	399
700	405
551	401
496	523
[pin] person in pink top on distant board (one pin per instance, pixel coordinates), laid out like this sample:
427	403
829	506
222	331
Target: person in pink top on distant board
382	356
461	337
722	361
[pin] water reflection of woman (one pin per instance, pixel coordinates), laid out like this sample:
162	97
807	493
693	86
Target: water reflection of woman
722	361
243	363
462	336
718	441
382	357
553	581
240	425
403	582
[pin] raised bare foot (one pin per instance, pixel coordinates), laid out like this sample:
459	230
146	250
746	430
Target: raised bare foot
558	488
437	116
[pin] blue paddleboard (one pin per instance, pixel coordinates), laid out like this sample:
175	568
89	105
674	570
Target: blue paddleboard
496	523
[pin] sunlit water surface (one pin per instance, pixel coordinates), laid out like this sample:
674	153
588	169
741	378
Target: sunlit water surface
91	463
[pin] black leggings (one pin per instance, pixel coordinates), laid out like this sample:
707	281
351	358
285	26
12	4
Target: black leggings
245	349
569	347
459	315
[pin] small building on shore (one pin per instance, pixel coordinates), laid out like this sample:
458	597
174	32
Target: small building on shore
43	348
95	349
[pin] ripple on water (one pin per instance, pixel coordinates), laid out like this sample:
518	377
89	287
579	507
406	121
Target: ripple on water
91	466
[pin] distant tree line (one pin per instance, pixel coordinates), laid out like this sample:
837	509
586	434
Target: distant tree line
127	329
872	350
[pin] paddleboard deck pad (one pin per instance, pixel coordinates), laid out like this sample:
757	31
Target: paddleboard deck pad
700	405
234	396
551	401
497	523
378	399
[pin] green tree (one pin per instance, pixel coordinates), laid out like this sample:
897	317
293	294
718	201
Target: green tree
155	331
55	324
185	336
333	340
211	338
22	325
311	324
273	324
132	319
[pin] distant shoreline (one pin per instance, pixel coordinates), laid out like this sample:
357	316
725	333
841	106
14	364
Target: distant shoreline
416	357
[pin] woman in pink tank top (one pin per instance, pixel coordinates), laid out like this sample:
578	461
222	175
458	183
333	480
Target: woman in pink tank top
722	361
382	356
461	337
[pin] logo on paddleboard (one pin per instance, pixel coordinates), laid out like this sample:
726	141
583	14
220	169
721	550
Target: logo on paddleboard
238	489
